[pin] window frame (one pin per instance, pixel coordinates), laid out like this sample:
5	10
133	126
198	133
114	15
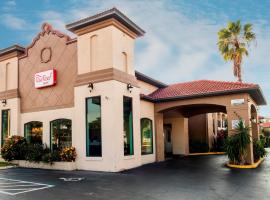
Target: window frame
25	124
9	120
130	154
51	130
86	108
152	133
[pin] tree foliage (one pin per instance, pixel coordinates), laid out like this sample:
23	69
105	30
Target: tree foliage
233	43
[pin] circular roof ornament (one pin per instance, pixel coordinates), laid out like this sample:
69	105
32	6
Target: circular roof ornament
46	55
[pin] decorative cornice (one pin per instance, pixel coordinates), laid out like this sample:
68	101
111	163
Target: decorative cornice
46	29
105	75
103	24
11	52
9	94
112	13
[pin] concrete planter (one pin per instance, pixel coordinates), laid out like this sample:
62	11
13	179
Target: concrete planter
66	166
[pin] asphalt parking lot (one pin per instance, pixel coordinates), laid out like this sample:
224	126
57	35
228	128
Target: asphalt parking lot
203	177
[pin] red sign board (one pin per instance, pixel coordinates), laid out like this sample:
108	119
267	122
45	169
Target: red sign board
45	78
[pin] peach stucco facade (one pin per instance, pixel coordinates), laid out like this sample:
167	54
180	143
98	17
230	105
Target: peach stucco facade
99	62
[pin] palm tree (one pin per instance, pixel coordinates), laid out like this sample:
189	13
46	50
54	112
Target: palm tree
233	42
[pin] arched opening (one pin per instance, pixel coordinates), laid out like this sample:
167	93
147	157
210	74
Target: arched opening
33	132
254	122
7	75
93	52
61	134
125	61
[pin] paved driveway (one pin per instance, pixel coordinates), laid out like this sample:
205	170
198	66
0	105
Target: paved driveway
183	178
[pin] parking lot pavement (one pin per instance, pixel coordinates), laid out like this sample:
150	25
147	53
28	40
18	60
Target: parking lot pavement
198	177
14	187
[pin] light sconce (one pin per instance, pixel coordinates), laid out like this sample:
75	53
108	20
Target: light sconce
4	102
90	87
129	87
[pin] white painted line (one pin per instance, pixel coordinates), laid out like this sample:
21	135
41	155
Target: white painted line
14	187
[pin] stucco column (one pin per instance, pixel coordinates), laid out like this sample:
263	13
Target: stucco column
159	137
243	112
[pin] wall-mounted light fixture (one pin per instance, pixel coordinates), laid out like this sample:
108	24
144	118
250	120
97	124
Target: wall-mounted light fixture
4	102
129	87
90	87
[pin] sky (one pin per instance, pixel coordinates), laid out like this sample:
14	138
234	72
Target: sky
180	43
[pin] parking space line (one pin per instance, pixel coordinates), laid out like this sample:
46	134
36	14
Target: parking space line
14	186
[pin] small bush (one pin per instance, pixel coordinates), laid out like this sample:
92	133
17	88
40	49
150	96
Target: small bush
68	154
17	148
14	148
51	157
236	145
258	149
35	152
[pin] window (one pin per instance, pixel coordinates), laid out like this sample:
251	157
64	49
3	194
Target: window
93	127
33	132
146	136
5	124
61	130
128	126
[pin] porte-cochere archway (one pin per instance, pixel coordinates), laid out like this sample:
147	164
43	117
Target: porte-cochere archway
181	101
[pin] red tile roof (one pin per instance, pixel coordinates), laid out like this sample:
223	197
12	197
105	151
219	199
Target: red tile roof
200	88
265	125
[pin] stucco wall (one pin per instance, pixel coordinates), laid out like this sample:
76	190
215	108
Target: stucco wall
9	74
110	44
180	141
113	158
15	116
46	117
146	88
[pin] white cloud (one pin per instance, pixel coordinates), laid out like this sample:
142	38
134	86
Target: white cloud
13	22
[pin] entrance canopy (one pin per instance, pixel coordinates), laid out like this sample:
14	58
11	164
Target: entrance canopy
238	100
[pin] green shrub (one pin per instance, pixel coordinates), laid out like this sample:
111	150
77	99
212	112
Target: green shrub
51	157
14	148
68	154
35	152
17	148
236	145
258	149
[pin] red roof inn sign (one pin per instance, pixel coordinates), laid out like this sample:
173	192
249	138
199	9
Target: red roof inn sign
45	79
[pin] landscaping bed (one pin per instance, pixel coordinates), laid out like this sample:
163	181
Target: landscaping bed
17	150
67	166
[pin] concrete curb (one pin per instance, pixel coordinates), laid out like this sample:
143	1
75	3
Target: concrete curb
253	166
7	167
206	154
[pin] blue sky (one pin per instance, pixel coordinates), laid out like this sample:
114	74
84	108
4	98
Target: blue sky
181	36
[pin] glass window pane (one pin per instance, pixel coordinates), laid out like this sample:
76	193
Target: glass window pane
33	132
93	127
146	136
128	126
61	134
5	124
